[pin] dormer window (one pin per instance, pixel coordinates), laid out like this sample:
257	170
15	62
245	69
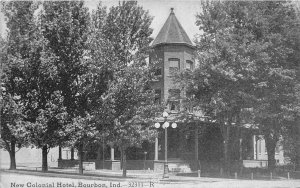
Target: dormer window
189	65
174	65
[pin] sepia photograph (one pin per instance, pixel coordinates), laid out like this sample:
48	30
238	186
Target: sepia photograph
150	94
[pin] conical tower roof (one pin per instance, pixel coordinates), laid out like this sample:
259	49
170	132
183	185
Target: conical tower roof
172	33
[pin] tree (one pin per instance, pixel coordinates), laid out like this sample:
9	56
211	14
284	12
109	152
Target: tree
84	131
47	131
33	76
13	133
128	30
275	90
291	137
221	83
245	63
66	26
14	53
128	102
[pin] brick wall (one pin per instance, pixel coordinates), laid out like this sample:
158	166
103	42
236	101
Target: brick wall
162	54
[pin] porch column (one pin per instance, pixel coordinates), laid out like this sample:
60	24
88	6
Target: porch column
241	149
254	147
196	144
59	153
72	153
156	150
112	154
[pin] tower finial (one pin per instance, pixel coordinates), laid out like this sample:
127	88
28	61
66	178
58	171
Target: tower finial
172	10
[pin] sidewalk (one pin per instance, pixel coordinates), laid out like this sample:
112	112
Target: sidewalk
132	175
136	175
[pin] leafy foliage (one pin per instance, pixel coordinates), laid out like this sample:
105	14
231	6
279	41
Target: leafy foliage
128	28
15	52
128	104
48	128
247	57
65	26
12	122
130	107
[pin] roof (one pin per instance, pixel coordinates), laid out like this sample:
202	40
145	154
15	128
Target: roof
172	33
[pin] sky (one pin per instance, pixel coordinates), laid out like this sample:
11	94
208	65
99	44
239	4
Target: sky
185	11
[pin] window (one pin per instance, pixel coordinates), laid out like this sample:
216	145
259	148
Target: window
157	96
174	105
259	147
266	151
174	65
189	65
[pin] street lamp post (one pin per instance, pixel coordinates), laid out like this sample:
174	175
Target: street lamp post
145	154
165	126
103	152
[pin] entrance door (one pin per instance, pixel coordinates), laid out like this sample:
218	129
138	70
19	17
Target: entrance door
173	143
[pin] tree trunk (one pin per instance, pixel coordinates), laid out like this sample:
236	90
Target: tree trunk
12	155
44	159
226	151
80	151
121	160
241	166
99	153
123	153
271	145
59	152
297	162
72	153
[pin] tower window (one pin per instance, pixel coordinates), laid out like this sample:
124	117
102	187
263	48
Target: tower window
174	105
174	65
189	65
